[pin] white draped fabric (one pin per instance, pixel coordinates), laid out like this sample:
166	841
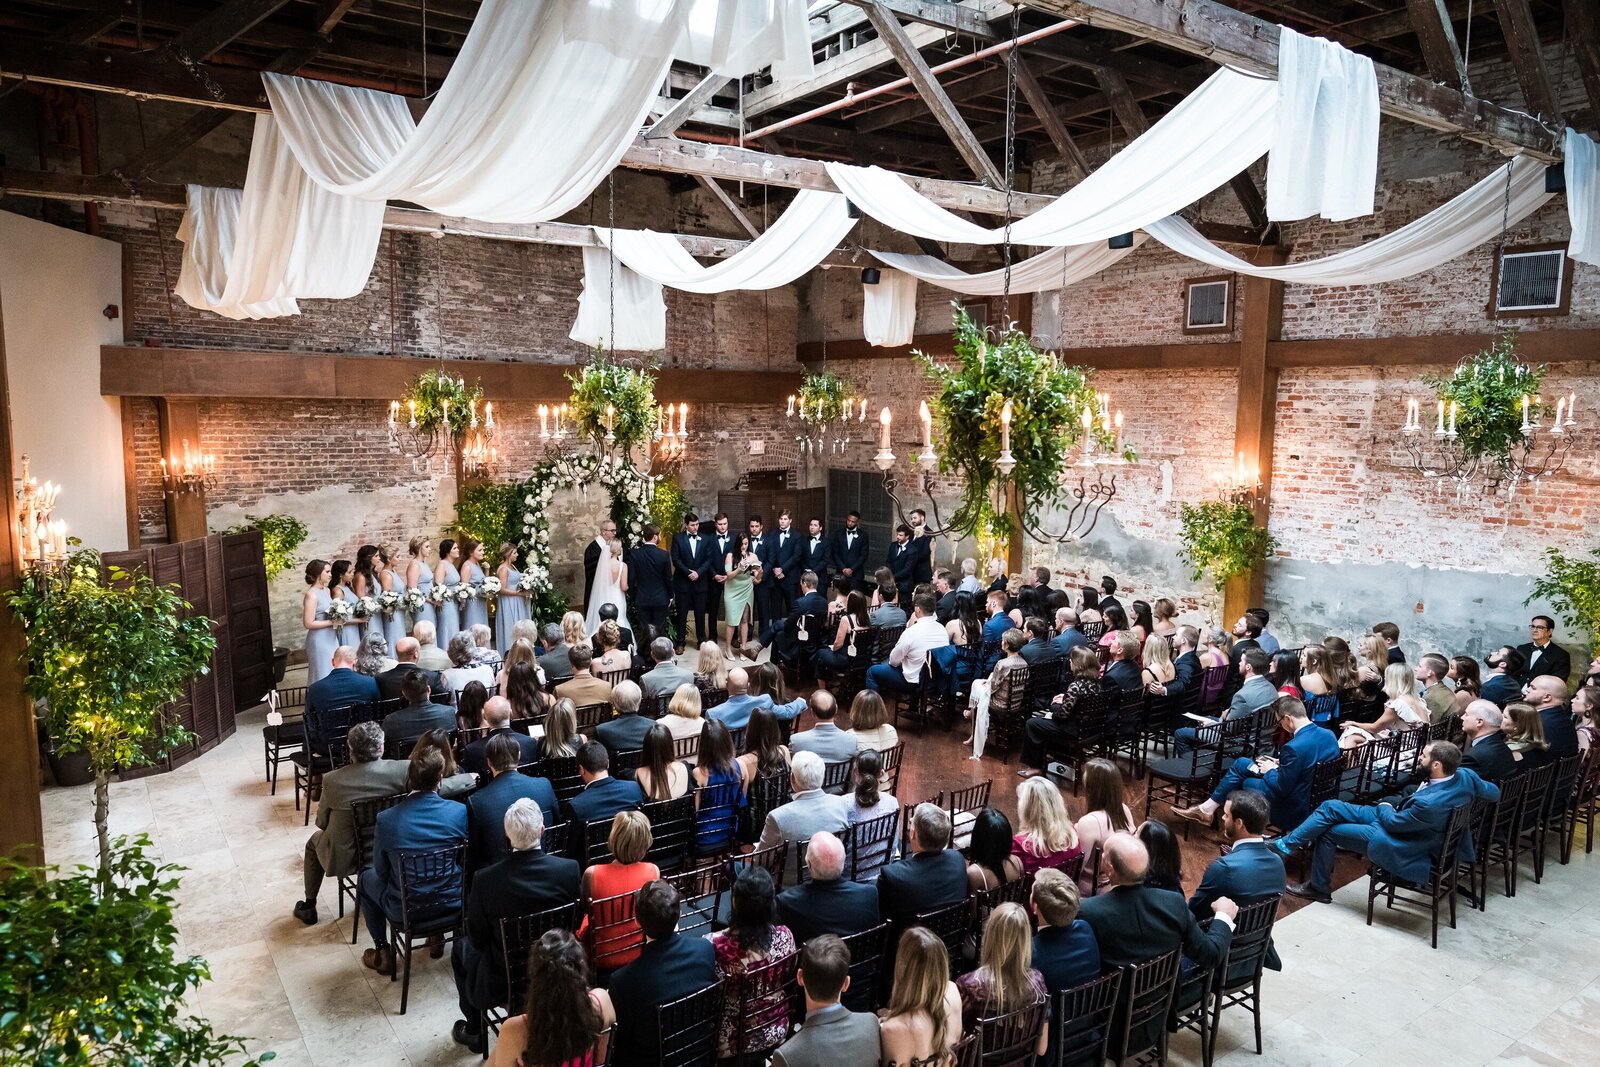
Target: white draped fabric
801	238
889	309
1437	237
1036	274
208	233
1582	170
1324	158
641	312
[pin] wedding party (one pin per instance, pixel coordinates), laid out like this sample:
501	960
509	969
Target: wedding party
821	533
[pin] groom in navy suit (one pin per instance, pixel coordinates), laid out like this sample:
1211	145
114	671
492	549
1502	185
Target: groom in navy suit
692	558
650	583
788	560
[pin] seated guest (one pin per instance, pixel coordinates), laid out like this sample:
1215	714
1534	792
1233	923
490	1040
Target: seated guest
611	657
734	713
503	787
1068	636
469	706
583	687
944	596
342	686
719	791
1166	856
1047	837
711	666
1005	980
564	1020
561	738
456	783
1500	683
752	938
1040	647
483	646
670	967
465	666
969	582
809	811
422	822
626	732
994	628
808	613
1586	710
1549	695
684	717
523	883
661	775
1122	673
429	655
405	653
1403	838
372	656
627	872
1402	709
992	853
1544	658
886	610
869	727
419	715
1158	669
521	651
333	851
765	754
1254	694
1106	813
1284	779
1466	679
1056	728
825	739
1246	632
1213	648
832	1035
528	700
1266	639
1249	872
1485	750
835	657
1064	948
1524	734
1389	634
827	902
1186	665
909	656
664	678
1440	701
497	717
923	1021
870	801
602	796
766	680
554	663
609	613
983	689
932	877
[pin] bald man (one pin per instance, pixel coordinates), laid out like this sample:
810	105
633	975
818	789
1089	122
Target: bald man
734	713
342	686
1549	695
497	717
827	902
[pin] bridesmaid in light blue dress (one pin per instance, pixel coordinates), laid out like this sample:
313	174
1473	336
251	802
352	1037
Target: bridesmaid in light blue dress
322	633
364	583
418	576
446	576
339	589
476	613
397	625
512	606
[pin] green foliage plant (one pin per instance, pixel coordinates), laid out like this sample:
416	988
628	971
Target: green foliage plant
826	393
281	535
630	393
88	971
488	513
440	398
110	654
1487	389
1220	537
1571	585
667	508
1048	399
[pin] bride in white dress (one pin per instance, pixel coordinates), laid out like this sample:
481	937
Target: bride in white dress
610	587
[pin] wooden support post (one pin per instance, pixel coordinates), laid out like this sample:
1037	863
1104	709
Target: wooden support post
1437	36
1261	321
180	424
1018	536
21	824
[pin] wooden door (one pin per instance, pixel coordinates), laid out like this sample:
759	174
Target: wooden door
249	616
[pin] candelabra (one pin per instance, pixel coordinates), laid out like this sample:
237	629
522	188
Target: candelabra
477	454
665	446
1242	483
821	433
1538	453
419	438
43	539
190	473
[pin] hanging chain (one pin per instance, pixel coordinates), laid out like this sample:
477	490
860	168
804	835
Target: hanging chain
611	260
424	49
438	293
1500	245
1010	164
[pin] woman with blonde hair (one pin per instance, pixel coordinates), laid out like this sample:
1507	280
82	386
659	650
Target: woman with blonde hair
1164	611
1157	658
519	652
1403	710
573	630
561	736
613	657
1372	657
1524	731
683	718
1047	837
712	666
1005	980
923	1020
1213	647
511	604
869	723
627	872
1107	813
419	576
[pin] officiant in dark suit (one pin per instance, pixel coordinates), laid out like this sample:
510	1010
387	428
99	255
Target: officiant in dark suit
691	580
591	559
850	551
650	582
818	552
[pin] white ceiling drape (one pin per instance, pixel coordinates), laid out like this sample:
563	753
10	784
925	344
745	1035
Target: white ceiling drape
1582	171
1037	274
640	318
889	309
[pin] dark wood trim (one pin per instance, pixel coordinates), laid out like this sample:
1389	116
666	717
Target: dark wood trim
1226	326
1567	269
186	512
129	370
1536	346
1255	414
130	473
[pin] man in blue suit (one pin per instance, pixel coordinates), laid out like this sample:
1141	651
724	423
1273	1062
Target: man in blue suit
783	635
342	686
422	822
766	589
818	551
693	560
1286	780
788	560
670	967
1500	683
486	808
994	628
1249	872
1065	952
1549	694
1404	838
850	549
734	713
603	796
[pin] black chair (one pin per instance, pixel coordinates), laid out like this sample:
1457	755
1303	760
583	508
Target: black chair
1440	884
1009	708
963	806
672	825
1127	731
766	794
774	859
1236	979
1559	807
517	938
554	839
1080	1021
597	843
626	762
1142	1008
712	696
1089	733
870	845
700	891
325	747
1585	803
1010	1040
686	1029
986	900
950	924
716	818
889	764
836	776
431	888
1494	830
562	771
278	743
364	817
612	931
1182	781
764	1001
1532	822
867	950
590	716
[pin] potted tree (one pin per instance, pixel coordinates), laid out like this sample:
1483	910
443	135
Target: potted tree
281	535
109	654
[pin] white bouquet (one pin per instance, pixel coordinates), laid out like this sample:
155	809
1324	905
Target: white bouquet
388	601
341	610
464	593
535	579
415	600
370	606
490	587
437	594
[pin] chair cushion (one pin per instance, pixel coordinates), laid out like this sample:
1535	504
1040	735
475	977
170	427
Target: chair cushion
1182	769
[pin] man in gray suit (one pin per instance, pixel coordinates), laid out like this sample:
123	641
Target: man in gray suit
554	662
419	714
825	738
429	654
663	679
333	851
1254	694
832	1035
811	810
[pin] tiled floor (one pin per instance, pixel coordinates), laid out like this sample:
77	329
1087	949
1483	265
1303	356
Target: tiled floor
1519	984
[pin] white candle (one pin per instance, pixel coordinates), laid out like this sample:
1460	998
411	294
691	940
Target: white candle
1440	431
1572	403
884	418
1561	408
544	424
1119	431
1524	412
791	405
1005	427
413	404
488	414
927	427
683	419
1452	419
447	414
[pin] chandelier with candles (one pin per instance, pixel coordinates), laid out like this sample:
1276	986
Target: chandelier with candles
189	471
439	413
613	410
41	536
822	414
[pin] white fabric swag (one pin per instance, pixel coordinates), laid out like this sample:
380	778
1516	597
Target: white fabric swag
1458	226
1324	158
889	309
641	307
1582	169
1037	274
208	232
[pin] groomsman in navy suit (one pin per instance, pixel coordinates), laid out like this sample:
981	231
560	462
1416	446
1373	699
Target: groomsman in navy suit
692	556
766	552
788	560
818	552
722	542
850	551
921	548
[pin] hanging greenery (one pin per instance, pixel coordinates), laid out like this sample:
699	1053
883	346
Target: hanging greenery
1571	585
630	393
1487	390
432	394
1220	537
825	393
1048	399
667	508
488	513
280	536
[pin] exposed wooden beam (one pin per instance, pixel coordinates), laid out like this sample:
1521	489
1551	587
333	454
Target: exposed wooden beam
1256	410
1583	30
1097	53
190	373
839	70
933	94
1039	102
940	14
1437	36
330	13
1254	203
214	32
149	76
1224	35
712	186
1540	346
1527	58
683	109
91	24
1123	357
1123	105
179	425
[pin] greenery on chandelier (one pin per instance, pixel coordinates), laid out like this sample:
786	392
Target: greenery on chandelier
1220	537
1571	585
434	393
630	393
667	508
488	512
1487	389
88	971
825	393
280	536
109	654
1047	398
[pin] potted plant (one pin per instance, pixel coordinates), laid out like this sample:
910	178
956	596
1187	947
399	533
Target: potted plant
109	654
88	971
281	535
1571	585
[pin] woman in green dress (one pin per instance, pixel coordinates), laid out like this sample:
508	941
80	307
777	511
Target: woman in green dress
743	569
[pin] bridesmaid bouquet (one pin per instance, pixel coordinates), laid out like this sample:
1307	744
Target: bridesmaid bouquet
536	579
437	594
341	610
370	606
388	601
490	587
463	593
415	600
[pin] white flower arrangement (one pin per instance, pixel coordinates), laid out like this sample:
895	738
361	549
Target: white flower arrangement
463	593
437	594
490	587
388	601
370	606
536	579
341	610
415	600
